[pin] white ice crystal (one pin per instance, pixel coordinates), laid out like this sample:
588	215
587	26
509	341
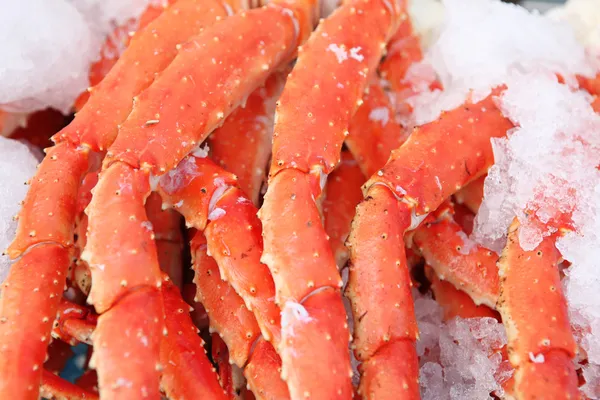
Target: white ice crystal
17	165
47	47
481	41
459	359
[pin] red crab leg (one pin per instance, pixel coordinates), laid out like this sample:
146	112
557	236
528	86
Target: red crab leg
122	257
236	326
120	37
534	311
55	388
374	132
209	200
342	195
311	121
168	237
27	310
81	273
455	302
227	312
466	265
187	371
407	187
151	50
242	145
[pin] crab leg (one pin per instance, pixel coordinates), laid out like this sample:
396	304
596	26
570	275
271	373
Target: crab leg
220	356
210	201
120	37
455	302
151	50
55	388
311	121
237	326
457	260
242	144
541	346
396	198
342	195
187	371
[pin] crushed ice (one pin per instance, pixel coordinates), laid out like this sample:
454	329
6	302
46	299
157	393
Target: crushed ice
47	47
17	165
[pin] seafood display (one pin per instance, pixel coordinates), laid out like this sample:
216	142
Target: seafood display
293	199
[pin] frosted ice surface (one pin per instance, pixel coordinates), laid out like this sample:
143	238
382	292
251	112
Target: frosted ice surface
481	41
543	166
47	47
584	17
459	358
17	165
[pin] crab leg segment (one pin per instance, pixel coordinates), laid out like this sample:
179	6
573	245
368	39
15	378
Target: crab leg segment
456	259
209	200
243	144
236	326
187	371
151	50
541	345
311	123
403	50
379	275
455	302
342	195
55	388
227	312
121	254
27	310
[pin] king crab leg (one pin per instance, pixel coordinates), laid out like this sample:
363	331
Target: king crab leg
296	248
396	198
55	388
542	353
237	326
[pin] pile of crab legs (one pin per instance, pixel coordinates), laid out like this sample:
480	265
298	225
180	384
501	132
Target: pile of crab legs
269	282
